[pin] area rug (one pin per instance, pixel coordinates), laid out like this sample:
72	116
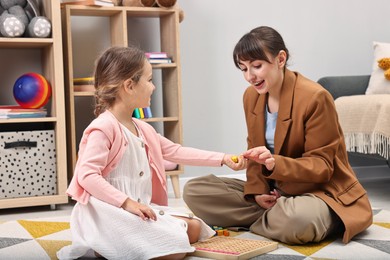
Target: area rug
374	243
34	239
40	239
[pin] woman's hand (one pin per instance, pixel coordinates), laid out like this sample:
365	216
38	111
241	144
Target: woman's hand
143	211
267	201
261	155
241	163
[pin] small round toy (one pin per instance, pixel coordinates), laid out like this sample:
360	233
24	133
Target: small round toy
32	90
235	159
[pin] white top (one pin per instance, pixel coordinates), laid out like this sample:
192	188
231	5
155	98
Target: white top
270	126
132	176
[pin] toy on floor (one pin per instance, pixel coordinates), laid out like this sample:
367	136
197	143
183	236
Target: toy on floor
22	18
384	64
32	90
220	231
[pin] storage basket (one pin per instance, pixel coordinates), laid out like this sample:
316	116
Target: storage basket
28	165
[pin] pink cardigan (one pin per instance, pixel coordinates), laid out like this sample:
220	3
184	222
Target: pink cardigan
101	148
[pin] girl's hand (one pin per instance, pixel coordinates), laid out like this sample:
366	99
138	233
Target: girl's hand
143	211
241	163
261	155
267	201
276	193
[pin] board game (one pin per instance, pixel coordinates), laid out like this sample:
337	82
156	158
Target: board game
232	248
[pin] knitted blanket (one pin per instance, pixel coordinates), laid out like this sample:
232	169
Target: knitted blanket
365	120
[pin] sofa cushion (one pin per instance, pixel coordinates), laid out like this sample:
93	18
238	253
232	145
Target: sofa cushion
378	84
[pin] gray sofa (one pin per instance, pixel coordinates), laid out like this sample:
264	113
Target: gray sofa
347	86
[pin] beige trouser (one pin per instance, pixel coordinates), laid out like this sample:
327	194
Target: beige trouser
293	220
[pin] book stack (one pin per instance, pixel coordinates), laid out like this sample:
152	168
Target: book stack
83	84
158	57
142	112
19	112
87	2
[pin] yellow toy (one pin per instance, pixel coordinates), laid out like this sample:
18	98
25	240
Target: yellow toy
220	231
384	64
234	159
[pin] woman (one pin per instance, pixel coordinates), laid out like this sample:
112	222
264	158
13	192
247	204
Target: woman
119	181
300	187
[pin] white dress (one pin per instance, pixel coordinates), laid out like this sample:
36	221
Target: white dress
117	234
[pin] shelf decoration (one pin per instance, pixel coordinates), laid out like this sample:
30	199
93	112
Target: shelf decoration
23	18
32	90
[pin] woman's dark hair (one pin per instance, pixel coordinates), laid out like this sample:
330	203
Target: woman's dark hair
113	67
257	43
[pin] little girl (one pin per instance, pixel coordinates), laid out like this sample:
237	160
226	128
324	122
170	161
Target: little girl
119	181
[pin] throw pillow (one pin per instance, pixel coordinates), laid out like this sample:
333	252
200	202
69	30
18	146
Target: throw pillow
378	83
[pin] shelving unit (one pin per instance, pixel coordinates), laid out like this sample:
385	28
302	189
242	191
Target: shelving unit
47	55
122	24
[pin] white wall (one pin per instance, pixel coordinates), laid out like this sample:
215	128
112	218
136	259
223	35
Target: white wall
324	37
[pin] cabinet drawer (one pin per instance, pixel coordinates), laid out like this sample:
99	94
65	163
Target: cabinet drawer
28	165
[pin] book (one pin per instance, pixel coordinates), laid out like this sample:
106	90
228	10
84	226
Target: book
83	81
160	60
156	55
83	84
87	2
147	112
142	113
19	112
136	113
84	88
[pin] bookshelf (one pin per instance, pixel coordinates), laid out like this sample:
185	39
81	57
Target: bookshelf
120	26
44	56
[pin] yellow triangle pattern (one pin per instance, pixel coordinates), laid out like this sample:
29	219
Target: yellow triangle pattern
43	228
52	246
309	249
385	225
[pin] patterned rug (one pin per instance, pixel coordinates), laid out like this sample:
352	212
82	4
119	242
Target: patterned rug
374	243
40	239
33	239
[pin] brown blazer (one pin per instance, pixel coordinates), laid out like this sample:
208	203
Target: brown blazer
310	153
